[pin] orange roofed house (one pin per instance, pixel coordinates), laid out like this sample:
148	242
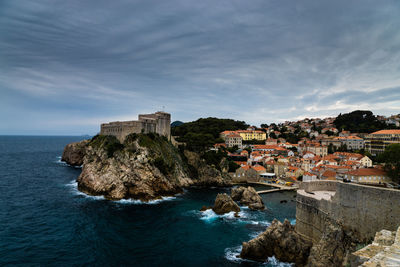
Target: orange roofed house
248	173
368	176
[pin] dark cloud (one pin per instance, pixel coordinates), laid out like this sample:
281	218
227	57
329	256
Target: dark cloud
69	65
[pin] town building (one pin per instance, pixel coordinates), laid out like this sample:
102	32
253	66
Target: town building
375	143
233	139
159	122
353	142
307	176
313	147
368	176
248	135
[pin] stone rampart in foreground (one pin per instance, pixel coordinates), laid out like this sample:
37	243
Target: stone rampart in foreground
364	210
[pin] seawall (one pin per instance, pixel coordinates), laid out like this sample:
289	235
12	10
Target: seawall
364	210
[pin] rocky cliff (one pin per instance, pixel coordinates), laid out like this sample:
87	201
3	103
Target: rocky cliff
74	153
206	175
145	167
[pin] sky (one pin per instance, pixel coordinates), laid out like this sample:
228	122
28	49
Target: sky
67	66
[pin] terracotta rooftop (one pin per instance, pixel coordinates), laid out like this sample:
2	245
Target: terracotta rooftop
368	172
387	132
259	168
328	174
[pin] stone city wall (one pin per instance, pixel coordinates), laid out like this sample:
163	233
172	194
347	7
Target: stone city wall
364	210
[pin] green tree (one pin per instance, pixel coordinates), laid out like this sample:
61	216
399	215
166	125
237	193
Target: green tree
343	148
391	158
233	166
201	134
359	121
331	149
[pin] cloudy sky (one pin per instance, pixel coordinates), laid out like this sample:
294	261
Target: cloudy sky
67	66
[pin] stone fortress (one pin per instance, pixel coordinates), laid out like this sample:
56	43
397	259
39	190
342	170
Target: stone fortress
159	122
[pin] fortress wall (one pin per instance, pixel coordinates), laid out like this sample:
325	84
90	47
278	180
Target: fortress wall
159	122
318	186
363	209
311	217
121	129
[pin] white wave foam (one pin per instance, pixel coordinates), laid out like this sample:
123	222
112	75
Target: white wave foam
231	254
139	202
208	215
274	262
74	188
63	163
293	222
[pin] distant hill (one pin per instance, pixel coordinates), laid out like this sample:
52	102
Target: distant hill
176	123
204	132
359	121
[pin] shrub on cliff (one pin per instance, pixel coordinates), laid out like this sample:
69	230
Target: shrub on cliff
130	138
164	167
165	155
108	142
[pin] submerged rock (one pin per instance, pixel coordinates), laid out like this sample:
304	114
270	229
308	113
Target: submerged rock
74	153
224	204
248	196
279	240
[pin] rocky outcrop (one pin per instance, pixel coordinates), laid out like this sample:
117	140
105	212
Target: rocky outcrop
224	204
207	175
74	153
145	167
279	240
334	247
248	196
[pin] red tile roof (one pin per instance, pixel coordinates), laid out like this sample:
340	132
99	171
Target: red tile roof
328	174
387	132
259	168
368	172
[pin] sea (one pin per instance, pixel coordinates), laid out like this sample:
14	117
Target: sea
46	221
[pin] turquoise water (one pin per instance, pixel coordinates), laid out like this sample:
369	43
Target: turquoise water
45	220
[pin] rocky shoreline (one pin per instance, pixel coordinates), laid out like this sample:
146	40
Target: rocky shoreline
148	167
144	167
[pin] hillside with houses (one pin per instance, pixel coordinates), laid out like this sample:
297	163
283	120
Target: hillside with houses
313	149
